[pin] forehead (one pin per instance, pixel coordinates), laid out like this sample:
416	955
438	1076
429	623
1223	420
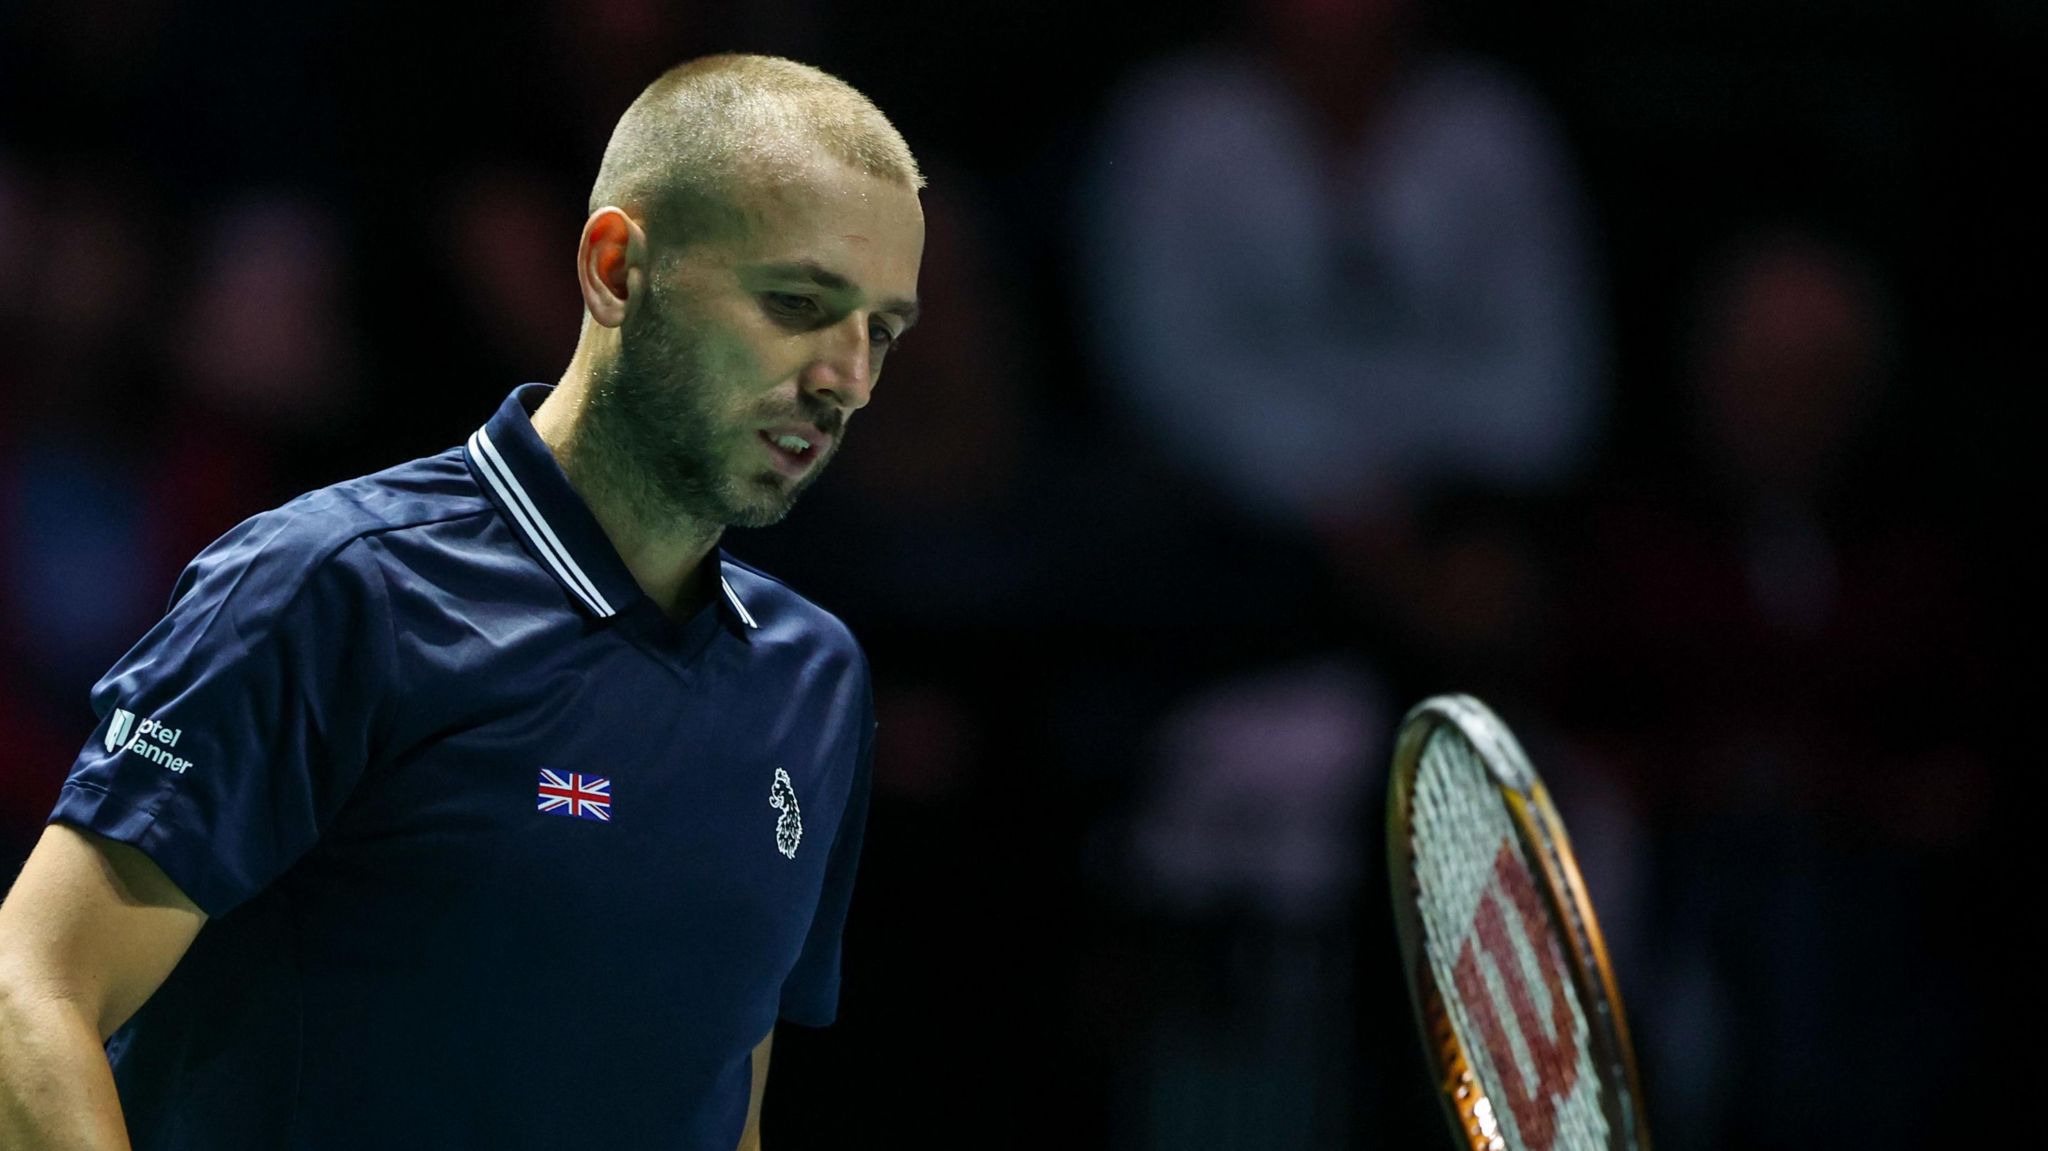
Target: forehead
825	212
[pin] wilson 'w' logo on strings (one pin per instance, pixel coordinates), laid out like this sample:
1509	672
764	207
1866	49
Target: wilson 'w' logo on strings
1532	1090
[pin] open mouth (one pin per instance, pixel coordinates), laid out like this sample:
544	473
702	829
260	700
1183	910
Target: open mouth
792	453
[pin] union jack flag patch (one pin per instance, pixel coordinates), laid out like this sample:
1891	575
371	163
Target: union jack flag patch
572	794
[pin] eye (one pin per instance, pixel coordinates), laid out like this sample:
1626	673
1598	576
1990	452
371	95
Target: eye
791	305
881	338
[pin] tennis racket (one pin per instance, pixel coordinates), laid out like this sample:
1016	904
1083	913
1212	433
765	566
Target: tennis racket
1506	967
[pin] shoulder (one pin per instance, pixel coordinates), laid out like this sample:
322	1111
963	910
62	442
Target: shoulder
1475	105
273	557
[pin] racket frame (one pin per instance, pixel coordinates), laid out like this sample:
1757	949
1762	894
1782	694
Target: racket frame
1544	844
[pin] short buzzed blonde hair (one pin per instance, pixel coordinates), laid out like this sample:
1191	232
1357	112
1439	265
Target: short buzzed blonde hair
681	152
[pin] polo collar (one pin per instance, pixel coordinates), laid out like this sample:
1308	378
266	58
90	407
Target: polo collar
517	471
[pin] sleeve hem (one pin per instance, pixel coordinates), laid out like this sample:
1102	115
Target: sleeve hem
91	808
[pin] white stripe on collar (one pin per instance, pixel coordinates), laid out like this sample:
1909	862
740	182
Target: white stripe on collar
737	605
494	470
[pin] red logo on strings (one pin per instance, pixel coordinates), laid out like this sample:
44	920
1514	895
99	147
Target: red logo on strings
1554	1051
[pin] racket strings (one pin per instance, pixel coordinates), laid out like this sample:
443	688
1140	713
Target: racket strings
1492	946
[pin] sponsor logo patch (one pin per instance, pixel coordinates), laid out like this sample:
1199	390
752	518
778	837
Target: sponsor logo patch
152	739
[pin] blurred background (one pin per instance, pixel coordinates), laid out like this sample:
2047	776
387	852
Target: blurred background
1645	369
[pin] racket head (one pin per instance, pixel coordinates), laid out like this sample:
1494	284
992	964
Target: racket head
1506	966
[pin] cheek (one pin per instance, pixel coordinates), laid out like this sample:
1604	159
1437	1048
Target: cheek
739	352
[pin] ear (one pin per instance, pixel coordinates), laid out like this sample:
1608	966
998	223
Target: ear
611	264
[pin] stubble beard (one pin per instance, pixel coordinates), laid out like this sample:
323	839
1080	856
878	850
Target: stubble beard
650	437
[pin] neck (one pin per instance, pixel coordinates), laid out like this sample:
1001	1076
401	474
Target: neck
663	548
1344	84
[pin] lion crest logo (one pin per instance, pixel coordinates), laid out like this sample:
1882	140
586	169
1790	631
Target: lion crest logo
789	826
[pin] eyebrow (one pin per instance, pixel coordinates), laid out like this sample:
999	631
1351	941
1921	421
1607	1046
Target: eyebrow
832	281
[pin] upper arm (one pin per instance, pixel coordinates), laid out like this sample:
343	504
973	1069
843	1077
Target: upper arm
95	922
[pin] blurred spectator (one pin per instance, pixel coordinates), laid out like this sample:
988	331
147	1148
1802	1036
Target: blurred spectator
85	301
1342	280
510	244
83	566
78	407
266	389
146	432
263	339
1262	784
1328	269
1787	563
1244	857
1776	647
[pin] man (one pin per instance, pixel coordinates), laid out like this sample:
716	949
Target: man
514	811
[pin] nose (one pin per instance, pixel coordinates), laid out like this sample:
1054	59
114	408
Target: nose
842	371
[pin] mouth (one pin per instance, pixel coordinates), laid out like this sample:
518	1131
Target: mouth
794	450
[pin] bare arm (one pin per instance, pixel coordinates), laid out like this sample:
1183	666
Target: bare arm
88	933
750	1139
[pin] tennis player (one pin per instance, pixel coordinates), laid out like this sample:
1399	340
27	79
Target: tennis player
485	801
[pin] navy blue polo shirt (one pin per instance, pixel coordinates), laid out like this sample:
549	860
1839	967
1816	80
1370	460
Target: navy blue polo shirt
495	853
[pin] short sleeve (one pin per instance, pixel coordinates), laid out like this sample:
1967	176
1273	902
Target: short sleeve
229	735
810	995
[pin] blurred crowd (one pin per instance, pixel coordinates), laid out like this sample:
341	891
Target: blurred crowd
1284	362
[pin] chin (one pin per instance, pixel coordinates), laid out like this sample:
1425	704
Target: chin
769	507
758	517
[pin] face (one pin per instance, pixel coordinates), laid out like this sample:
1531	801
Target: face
1789	368
743	360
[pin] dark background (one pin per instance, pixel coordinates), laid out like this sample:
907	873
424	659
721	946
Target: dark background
247	249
